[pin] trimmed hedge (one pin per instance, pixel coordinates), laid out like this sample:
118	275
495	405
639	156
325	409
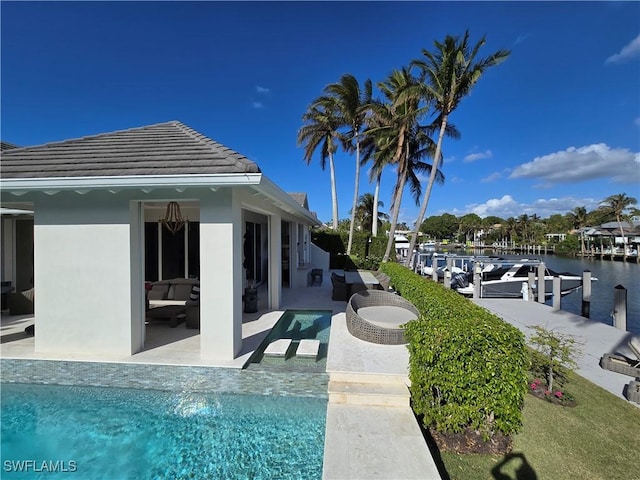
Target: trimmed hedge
364	253
468	368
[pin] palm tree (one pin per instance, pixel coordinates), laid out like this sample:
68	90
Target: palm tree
511	225
449	74
351	103
579	219
321	129
365	210
616	205
392	128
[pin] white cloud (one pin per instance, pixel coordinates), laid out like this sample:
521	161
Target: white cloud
574	165
492	178
257	105
478	156
507	206
628	52
260	89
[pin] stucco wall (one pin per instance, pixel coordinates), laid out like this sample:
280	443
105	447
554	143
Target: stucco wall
82	274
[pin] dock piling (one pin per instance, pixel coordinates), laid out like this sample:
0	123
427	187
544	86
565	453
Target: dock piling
586	293
557	293
447	278
541	283
530	284
620	307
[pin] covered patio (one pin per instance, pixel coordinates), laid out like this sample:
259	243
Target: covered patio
95	237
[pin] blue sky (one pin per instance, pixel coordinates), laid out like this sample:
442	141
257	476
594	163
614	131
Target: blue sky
554	127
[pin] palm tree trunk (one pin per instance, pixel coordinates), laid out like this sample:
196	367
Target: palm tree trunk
432	180
376	196
334	192
624	241
355	198
394	216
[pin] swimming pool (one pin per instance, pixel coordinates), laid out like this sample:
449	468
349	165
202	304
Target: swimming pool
127	433
297	325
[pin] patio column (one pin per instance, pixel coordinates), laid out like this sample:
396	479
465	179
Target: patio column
275	261
220	275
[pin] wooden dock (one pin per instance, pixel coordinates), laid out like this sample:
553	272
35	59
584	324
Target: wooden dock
595	338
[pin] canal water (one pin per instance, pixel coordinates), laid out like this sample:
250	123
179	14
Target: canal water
609	274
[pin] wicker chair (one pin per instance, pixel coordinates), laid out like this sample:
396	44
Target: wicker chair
366	330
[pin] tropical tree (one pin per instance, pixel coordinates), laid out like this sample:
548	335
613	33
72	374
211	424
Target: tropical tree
616	205
440	226
449	74
393	122
365	210
350	102
579	220
321	130
511	225
469	224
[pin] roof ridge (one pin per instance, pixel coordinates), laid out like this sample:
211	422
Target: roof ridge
90	137
204	139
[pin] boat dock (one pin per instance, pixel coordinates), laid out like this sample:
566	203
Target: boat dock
594	338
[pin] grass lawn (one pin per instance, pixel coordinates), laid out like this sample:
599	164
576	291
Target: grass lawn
597	439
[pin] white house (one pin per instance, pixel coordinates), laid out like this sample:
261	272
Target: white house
96	238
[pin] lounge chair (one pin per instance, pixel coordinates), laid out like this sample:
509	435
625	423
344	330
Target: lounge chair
634	346
622	363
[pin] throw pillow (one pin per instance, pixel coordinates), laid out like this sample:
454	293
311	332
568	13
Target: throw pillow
195	293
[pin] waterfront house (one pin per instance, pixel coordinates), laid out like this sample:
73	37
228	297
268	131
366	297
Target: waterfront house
96	235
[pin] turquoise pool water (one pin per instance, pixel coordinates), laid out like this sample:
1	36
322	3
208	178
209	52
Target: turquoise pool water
110	433
298	325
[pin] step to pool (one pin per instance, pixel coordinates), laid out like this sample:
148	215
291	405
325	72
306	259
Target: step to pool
308	348
376	378
278	348
386	395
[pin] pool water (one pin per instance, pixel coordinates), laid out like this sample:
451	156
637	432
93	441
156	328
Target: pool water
297	325
115	433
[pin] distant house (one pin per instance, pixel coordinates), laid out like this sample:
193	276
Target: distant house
95	236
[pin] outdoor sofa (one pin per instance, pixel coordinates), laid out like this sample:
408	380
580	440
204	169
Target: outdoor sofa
171	299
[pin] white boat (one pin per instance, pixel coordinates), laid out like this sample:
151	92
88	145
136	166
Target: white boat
505	279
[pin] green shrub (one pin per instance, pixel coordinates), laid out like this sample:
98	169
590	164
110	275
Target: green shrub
365	250
467	367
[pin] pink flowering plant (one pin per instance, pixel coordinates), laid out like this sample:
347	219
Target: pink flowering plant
551	363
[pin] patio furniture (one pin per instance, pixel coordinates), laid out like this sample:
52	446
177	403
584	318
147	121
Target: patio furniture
192	314
634	345
21	303
315	275
175	291
174	313
633	391
340	289
376	316
620	364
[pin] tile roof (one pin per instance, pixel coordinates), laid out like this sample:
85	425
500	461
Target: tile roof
301	198
169	148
